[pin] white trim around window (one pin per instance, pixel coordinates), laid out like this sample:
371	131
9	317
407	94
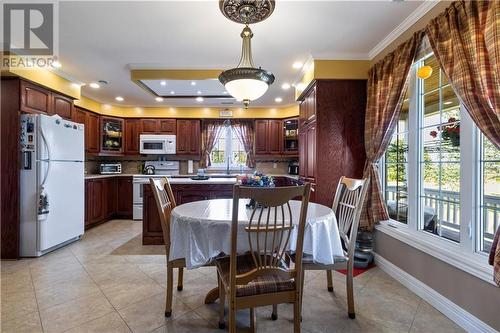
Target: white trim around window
448	251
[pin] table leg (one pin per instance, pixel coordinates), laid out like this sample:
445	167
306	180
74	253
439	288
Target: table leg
212	296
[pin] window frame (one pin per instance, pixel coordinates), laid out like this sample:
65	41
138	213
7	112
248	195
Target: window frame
465	255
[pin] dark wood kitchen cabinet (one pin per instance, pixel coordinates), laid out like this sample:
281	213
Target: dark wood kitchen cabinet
92	133
111	135
133	129
107	198
124	197
34	98
183	193
268	136
158	126
331	135
188	137
91	122
62	105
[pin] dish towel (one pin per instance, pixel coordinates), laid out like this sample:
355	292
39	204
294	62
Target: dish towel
494	258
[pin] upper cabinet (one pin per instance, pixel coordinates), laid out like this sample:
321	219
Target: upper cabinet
111	136
91	122
63	106
188	137
270	138
35	98
40	100
132	133
158	126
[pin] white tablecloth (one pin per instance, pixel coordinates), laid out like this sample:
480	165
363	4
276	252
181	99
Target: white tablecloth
201	230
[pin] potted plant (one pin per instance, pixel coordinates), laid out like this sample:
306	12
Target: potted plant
449	132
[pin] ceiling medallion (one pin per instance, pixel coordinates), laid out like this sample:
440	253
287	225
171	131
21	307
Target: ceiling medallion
247	11
246	82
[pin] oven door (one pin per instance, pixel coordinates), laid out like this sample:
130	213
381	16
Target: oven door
153	144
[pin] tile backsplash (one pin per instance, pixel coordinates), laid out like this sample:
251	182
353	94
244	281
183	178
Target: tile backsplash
133	165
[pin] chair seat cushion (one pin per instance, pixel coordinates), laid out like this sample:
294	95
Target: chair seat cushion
308	259
265	284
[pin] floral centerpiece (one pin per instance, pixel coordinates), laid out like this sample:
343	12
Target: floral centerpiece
256	180
449	132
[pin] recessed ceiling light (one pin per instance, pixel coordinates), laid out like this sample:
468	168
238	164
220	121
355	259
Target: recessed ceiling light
163	83
300	86
278	99
75	85
159	99
94	85
193	83
447	103
172	92
56	64
297	65
119	98
198	92
285	86
225	92
199	99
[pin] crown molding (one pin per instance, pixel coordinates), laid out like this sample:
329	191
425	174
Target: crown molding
418	13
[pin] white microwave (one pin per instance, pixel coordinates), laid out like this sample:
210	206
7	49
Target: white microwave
152	144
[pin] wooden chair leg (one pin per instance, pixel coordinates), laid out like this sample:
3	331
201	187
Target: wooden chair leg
329	280
274	315
222	300
350	293
296	316
180	278
301	295
170	287
232	316
252	320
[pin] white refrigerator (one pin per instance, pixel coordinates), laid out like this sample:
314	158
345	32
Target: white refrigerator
52	183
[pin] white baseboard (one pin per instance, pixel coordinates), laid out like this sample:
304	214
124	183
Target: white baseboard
461	317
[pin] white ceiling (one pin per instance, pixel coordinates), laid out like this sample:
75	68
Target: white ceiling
103	40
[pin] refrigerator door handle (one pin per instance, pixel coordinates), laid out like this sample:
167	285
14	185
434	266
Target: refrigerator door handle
46	145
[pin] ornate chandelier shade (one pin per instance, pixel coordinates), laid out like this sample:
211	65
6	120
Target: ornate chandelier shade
246	82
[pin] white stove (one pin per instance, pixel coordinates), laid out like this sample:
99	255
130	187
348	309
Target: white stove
161	169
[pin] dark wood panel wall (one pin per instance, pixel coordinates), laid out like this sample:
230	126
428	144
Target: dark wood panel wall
338	133
9	168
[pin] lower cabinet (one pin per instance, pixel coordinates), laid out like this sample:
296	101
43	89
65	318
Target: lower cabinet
151	225
107	198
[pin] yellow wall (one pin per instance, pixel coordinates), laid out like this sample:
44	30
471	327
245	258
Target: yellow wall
184	112
47	79
331	69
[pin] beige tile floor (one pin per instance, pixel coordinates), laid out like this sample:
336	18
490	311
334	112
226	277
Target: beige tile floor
108	282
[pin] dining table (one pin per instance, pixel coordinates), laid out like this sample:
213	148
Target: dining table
201	231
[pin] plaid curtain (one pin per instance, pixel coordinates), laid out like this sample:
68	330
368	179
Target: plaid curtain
387	81
466	42
245	133
210	132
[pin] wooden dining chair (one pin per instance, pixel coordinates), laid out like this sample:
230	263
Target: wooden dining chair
347	206
165	202
262	276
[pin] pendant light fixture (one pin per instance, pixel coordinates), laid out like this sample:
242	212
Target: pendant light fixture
246	82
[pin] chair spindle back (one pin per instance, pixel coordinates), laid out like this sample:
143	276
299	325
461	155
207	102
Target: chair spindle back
165	202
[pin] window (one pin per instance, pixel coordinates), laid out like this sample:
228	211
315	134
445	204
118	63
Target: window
489	193
439	132
396	168
441	176
228	146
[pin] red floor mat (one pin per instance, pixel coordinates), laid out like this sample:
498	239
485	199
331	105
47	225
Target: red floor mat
357	271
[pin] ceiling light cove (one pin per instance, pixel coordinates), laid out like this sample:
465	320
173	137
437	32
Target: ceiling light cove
119	99
159	99
94	85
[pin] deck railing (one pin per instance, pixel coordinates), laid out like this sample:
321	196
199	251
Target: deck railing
450	211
